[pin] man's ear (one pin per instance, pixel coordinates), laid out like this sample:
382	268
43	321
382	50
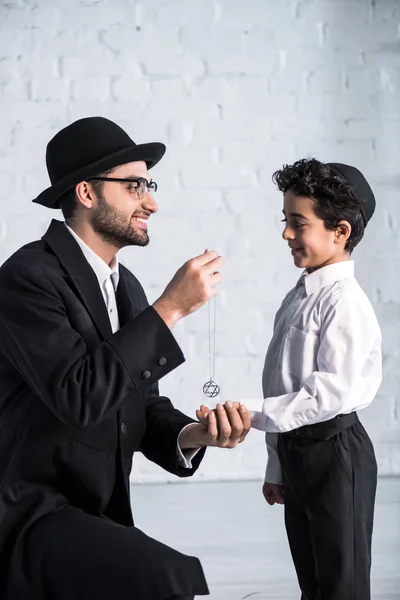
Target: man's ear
85	194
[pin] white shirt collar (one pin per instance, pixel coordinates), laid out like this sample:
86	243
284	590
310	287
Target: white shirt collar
327	275
102	270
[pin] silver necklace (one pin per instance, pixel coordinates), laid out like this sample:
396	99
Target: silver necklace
211	389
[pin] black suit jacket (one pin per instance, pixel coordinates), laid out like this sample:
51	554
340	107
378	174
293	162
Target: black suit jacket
77	401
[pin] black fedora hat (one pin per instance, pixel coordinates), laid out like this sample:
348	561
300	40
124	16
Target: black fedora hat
86	148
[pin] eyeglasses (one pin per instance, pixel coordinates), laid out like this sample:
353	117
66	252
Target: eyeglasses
141	184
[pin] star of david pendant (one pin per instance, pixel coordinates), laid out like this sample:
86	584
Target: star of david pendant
211	389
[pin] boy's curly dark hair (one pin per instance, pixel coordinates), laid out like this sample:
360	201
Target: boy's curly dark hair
334	197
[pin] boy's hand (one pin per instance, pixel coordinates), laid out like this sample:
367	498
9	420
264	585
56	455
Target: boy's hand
273	493
232	415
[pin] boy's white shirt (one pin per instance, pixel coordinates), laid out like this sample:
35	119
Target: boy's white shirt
324	358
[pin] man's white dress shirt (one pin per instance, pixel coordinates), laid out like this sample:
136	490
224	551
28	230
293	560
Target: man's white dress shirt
324	358
108	278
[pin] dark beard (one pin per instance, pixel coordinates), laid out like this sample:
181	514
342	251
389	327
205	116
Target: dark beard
110	224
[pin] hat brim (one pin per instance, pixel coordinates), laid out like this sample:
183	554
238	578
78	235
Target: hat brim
150	153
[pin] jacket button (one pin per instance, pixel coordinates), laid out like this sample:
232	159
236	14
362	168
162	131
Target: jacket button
162	361
124	428
146	374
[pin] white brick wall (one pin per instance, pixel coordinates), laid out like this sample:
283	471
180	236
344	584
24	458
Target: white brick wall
234	89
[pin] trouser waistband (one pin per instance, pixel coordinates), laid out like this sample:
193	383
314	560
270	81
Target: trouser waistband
324	430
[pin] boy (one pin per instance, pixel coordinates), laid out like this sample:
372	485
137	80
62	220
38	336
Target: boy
323	364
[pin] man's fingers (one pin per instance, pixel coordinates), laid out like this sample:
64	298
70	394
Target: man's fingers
236	423
212	426
231	422
240	420
224	426
204	259
216	277
201	417
234	404
213	265
202	414
244	413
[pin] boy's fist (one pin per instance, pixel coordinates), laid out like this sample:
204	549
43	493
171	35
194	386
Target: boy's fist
273	493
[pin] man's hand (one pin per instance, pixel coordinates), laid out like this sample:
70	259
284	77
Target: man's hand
273	493
191	287
203	412
225	427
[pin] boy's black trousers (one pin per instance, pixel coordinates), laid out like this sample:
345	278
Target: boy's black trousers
329	477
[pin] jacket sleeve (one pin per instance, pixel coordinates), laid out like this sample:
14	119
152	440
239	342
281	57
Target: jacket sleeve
163	426
80	387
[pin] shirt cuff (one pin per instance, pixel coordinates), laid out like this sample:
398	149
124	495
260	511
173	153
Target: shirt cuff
259	420
185	457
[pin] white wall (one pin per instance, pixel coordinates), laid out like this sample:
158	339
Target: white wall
234	89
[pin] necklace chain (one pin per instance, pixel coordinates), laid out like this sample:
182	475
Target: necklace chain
211	389
212	312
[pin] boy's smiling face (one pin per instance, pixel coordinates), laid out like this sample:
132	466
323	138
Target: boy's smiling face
313	245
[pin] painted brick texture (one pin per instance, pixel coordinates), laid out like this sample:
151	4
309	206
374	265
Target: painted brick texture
234	89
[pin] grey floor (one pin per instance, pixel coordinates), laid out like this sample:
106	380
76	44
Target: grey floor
241	542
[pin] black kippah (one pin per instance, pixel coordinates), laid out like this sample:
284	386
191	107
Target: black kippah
361	186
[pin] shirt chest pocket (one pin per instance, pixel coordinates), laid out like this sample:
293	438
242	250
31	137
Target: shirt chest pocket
300	353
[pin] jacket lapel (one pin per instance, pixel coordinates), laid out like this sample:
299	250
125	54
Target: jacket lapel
81	273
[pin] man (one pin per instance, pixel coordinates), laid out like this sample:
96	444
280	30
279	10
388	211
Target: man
80	357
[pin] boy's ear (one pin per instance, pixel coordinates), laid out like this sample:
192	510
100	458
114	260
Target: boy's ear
343	231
